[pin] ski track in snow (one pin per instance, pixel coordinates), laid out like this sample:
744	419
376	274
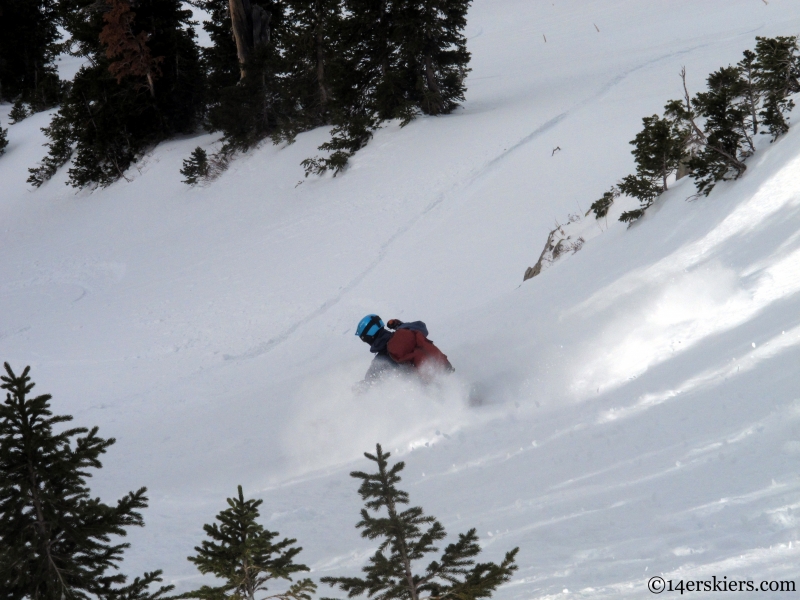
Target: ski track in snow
482	172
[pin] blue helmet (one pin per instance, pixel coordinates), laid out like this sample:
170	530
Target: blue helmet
368	327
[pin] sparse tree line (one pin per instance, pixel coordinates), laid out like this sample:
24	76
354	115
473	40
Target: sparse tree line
709	136
57	542
275	68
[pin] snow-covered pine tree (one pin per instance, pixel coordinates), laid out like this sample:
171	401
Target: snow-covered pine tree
110	122
54	537
28	47
777	69
242	554
195	167
406	537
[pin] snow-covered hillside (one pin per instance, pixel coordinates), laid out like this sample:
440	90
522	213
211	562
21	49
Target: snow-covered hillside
641	408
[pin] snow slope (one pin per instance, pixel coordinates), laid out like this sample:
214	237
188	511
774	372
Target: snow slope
641	410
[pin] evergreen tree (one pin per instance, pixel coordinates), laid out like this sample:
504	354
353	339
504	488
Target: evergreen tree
433	53
195	167
18	112
725	129
220	61
717	149
3	140
777	69
658	150
245	70
28	47
406	537
54	537
142	85
750	90
400	58
242	554
312	70
641	188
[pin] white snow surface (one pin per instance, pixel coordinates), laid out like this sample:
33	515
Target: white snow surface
641	410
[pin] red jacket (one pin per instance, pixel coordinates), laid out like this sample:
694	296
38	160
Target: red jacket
411	347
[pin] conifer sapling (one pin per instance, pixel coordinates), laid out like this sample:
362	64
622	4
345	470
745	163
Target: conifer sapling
55	538
242	554
195	167
406	537
18	112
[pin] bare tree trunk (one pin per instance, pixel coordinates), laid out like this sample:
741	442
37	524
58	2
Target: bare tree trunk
433	85
151	83
241	20
320	38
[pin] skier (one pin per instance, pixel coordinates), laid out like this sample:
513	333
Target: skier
406	349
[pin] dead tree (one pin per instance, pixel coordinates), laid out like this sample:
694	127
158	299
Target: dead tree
250	30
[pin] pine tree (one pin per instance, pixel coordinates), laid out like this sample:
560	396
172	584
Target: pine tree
195	167
717	149
400	58
110	116
28	47
245	71
18	112
406	537
59	149
242	554
312	69
751	91
641	188
433	52
54	537
3	140
658	150
777	69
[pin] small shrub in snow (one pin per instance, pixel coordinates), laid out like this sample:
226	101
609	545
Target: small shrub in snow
242	555
195	167
600	207
406	536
